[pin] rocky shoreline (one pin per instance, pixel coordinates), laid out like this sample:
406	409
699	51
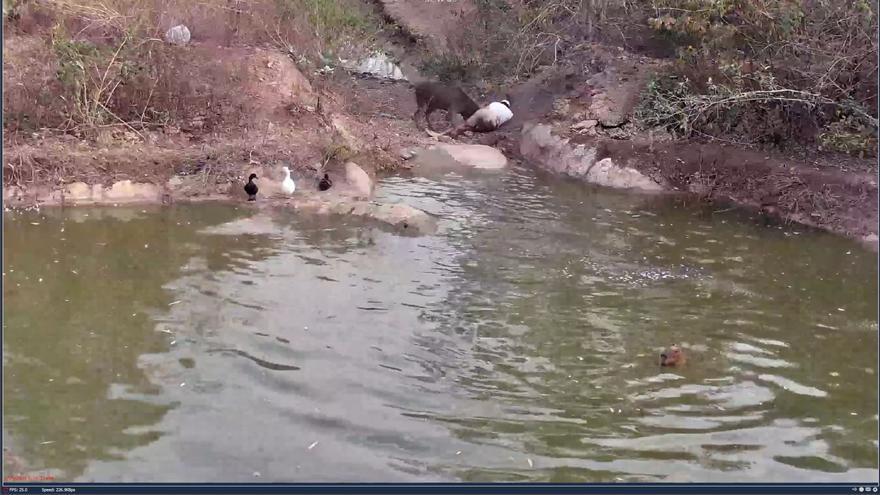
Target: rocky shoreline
350	195
608	163
619	167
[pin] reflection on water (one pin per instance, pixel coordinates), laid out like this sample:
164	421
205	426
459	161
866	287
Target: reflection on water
518	344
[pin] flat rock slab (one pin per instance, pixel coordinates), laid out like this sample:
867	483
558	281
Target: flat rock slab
404	216
468	155
398	215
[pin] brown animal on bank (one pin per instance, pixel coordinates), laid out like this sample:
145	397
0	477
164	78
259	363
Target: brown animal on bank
432	96
674	356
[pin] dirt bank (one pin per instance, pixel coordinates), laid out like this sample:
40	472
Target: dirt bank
349	127
224	109
276	116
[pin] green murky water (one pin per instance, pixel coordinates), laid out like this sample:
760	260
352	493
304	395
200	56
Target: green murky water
518	343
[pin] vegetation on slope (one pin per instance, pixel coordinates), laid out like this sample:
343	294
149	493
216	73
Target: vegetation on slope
78	65
770	71
754	72
777	72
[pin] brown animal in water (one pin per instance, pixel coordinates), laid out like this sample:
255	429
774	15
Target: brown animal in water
432	96
674	356
769	210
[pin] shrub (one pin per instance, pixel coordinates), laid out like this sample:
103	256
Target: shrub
769	71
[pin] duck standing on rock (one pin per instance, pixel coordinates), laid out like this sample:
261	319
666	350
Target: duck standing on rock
251	189
325	183
287	185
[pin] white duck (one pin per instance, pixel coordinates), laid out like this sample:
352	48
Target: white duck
287	185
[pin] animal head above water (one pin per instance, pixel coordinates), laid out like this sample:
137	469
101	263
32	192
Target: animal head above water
672	357
252	177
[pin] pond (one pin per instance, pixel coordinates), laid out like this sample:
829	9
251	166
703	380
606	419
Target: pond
518	343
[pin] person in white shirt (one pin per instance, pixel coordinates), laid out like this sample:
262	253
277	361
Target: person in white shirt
487	119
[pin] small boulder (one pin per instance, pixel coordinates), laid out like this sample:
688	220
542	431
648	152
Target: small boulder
358	180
